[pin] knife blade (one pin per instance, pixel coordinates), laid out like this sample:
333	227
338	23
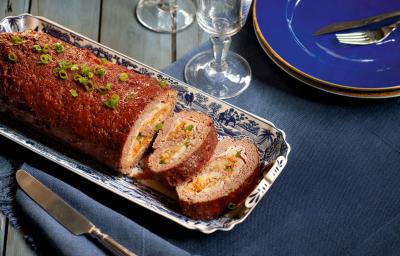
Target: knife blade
335	27
71	219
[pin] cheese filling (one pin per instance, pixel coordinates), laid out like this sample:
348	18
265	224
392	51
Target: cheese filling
172	154
220	169
183	133
146	131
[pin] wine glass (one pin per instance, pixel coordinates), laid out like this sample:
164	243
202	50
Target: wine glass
219	72
165	15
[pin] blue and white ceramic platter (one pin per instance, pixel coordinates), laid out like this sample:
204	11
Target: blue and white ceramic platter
287	28
229	121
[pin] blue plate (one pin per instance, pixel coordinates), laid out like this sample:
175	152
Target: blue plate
286	29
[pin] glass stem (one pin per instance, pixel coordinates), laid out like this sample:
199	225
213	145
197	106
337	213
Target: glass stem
220	47
168	5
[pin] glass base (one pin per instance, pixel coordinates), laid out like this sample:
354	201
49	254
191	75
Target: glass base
160	17
230	82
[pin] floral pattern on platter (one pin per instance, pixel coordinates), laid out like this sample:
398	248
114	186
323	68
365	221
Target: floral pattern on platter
229	121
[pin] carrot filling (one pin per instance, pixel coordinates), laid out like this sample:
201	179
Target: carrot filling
221	168
183	130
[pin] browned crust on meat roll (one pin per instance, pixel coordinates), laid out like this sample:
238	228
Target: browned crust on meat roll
81	114
226	179
183	147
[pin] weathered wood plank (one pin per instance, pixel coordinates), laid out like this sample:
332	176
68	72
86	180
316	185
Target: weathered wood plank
16	245
121	31
189	38
13	7
3	234
80	16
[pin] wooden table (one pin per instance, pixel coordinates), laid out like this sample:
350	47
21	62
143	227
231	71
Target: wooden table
112	23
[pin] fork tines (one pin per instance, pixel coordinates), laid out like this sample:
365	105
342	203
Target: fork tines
353	38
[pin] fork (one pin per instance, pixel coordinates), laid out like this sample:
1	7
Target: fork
368	36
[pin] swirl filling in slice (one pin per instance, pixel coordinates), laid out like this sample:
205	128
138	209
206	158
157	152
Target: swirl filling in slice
184	145
227	178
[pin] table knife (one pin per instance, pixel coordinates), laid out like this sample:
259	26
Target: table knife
71	219
335	27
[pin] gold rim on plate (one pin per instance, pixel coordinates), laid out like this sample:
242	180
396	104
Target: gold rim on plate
337	91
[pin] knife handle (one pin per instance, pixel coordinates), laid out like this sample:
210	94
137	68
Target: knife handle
112	245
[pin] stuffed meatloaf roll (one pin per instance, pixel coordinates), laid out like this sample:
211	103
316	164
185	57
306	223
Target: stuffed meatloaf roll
99	108
183	146
230	175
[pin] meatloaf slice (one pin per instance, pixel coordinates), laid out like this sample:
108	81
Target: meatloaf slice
99	108
184	145
229	176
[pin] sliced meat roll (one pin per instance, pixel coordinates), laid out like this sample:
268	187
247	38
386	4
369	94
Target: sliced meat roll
229	176
185	144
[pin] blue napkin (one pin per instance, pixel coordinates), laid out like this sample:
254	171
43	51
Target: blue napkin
122	229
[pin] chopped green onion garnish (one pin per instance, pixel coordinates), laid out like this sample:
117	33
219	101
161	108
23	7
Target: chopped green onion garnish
90	75
12	57
73	92
16	40
77	77
238	153
64	64
63	74
98	71
56	70
186	143
163	83
37	48
45	48
85	70
105	88
123	77
44	59
74	67
59	48
89	86
103	61
162	161
159	127
231	206
83	80
189	128
112	103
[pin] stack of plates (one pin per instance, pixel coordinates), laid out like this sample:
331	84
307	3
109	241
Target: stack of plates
285	31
